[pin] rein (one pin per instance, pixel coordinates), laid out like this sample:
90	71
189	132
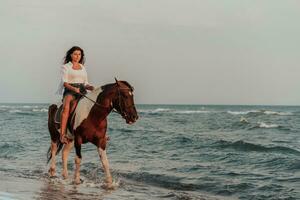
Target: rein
93	101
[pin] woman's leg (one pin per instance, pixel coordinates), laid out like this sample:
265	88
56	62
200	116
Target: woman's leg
65	116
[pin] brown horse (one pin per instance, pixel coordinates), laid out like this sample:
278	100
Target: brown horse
88	123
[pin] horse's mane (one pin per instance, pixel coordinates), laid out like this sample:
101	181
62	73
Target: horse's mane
99	91
107	86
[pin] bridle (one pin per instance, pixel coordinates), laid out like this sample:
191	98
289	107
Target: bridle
122	109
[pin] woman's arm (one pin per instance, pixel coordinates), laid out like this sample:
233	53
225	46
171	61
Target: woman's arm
87	86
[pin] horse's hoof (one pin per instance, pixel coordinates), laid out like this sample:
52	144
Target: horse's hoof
51	172
65	175
77	182
108	185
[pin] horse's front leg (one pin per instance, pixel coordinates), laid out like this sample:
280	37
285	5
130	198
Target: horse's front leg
105	164
52	169
78	158
65	154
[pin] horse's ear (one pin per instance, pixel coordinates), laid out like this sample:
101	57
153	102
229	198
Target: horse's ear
117	82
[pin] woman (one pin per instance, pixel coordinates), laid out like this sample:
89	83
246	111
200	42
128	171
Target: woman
75	83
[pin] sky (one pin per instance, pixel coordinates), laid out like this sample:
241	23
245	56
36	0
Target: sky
171	51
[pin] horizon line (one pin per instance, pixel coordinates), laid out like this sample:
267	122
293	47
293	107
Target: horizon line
175	104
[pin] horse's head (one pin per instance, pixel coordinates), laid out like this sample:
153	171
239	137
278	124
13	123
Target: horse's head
123	101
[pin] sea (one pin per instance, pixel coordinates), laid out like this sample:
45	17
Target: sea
178	152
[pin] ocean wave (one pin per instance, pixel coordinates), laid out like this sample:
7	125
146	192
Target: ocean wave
160	180
19	106
242	112
172	111
28	112
15	111
5	106
277	113
191	111
177	184
158	110
262	112
29	106
264	125
246	146
21	112
244	120
247	112
40	110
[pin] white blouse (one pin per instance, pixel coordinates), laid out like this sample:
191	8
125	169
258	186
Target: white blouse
70	75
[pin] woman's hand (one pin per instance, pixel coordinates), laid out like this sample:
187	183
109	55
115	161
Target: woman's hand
89	87
77	90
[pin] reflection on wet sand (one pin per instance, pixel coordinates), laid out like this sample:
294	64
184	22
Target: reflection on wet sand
56	188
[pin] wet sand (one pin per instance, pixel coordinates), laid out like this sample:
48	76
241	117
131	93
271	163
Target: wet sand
16	188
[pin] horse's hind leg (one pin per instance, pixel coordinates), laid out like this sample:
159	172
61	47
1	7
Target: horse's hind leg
54	139
56	145
52	169
65	153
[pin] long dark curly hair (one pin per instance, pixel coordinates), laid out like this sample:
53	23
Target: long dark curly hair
68	58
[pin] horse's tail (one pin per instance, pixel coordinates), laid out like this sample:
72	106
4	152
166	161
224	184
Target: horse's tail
53	131
49	155
59	147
